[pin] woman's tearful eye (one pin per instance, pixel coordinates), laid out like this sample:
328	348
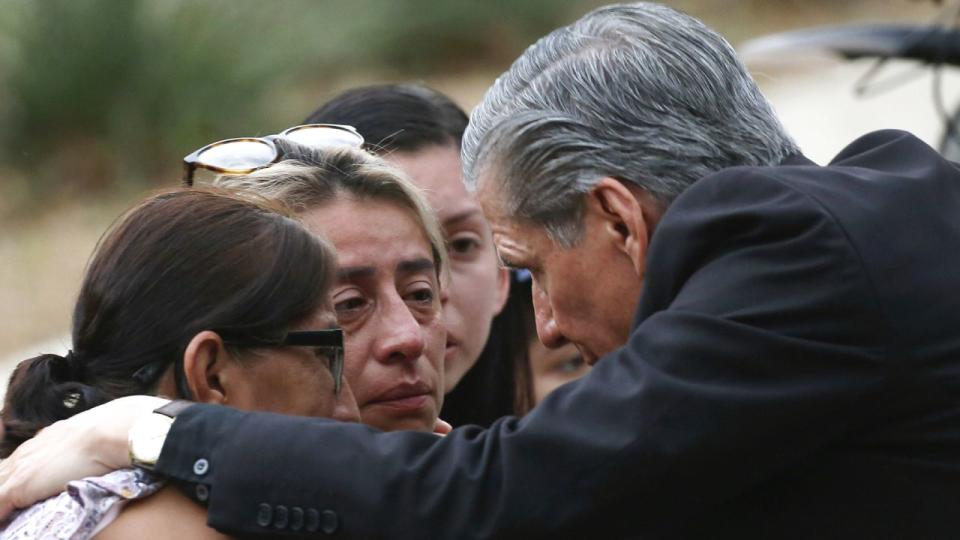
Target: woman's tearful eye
349	306
421	296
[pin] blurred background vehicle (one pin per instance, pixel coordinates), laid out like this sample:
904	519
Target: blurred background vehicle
901	57
100	99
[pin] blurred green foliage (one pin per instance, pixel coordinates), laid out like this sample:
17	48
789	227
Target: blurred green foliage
110	94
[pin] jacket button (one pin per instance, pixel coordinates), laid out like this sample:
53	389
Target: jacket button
200	467
202	492
329	521
264	515
312	520
280	516
296	518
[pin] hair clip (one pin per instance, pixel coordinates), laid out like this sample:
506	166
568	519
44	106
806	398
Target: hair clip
71	400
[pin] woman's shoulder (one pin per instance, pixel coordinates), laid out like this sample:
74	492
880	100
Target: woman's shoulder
168	514
83	509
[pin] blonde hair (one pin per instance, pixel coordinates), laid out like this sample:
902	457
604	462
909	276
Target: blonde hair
311	177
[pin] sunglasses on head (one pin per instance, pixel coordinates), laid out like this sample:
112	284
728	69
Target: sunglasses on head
244	155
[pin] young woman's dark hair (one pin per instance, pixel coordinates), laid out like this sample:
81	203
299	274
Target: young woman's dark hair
396	117
178	263
515	327
501	382
408	118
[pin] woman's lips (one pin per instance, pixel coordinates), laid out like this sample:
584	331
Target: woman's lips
410	403
406	396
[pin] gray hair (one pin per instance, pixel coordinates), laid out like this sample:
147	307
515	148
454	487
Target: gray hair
311	177
637	92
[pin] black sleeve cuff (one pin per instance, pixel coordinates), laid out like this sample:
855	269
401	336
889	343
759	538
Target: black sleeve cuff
190	451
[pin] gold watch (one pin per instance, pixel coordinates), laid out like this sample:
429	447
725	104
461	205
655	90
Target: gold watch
146	437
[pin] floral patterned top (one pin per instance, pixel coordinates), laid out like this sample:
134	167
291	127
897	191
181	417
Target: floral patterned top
80	512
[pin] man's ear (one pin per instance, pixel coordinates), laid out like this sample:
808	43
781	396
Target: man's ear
627	216
203	363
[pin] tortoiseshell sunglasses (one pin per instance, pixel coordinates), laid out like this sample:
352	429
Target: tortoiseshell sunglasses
244	155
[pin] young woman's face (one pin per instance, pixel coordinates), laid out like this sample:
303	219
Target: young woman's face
477	288
387	300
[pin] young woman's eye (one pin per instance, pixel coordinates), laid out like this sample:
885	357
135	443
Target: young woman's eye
570	365
464	245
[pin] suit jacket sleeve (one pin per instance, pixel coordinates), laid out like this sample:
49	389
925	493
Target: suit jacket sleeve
758	342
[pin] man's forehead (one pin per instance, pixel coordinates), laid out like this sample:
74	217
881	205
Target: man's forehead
489	197
510	240
516	241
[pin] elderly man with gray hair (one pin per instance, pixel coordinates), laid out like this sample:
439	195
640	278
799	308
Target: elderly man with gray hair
775	342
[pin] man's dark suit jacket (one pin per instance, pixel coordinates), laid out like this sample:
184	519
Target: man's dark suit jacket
794	372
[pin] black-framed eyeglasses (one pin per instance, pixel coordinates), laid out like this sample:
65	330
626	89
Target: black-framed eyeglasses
327	343
244	155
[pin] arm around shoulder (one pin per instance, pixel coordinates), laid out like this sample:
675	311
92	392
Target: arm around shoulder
755	325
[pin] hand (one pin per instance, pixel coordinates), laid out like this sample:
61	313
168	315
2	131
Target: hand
91	443
441	428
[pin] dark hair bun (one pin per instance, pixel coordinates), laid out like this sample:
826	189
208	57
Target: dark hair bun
41	391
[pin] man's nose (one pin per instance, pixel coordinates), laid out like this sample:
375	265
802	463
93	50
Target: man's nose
547	329
345	408
401	336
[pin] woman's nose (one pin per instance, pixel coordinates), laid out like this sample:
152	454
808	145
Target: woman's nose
401	333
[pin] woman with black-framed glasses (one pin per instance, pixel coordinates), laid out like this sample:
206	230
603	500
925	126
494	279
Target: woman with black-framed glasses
190	295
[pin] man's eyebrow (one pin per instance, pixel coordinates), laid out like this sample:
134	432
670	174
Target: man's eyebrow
355	272
415	265
507	262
